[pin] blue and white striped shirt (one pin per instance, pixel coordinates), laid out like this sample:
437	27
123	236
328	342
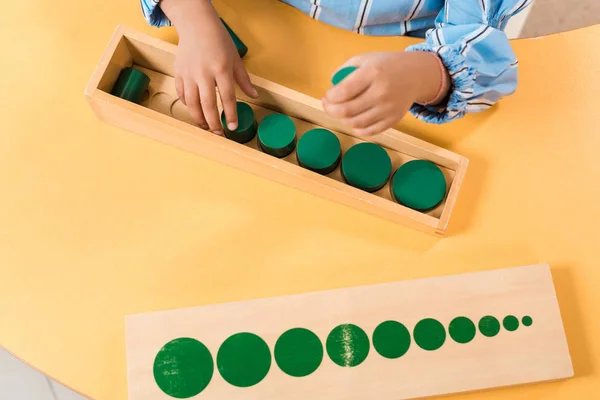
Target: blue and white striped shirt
468	35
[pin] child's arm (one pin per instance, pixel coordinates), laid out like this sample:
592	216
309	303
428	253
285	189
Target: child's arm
206	58
469	40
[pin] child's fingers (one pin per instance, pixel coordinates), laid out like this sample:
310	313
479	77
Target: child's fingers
243	80
192	100
349	109
227	92
352	86
179	89
375	128
366	119
208	99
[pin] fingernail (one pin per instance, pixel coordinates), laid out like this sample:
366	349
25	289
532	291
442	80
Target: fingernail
254	92
220	133
232	126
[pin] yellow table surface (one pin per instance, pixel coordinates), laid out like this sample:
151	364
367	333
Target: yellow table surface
97	223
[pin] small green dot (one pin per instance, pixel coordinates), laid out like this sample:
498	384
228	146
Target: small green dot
510	323
342	74
319	150
244	359
462	330
527	320
489	326
391	339
298	352
183	368
347	345
418	184
429	334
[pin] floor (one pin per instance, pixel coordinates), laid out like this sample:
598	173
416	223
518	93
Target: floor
20	382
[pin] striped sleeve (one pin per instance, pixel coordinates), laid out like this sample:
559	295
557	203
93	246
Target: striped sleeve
153	14
469	38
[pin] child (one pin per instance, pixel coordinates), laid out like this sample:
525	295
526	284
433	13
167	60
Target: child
465	65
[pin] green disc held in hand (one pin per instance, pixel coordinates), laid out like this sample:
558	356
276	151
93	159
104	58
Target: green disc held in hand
419	184
319	150
366	166
342	74
131	85
247	125
277	135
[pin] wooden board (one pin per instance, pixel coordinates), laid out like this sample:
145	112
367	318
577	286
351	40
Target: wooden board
163	119
430	366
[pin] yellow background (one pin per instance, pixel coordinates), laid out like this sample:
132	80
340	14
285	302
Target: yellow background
97	223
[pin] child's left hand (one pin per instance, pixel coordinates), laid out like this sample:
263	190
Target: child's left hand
381	91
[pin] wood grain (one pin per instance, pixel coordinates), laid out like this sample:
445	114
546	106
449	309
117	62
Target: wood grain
529	354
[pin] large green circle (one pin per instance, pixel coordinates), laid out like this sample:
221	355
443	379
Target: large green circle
277	135
462	330
319	150
298	352
183	368
391	339
347	345
489	326
429	334
342	74
366	166
419	184
244	359
510	323
247	125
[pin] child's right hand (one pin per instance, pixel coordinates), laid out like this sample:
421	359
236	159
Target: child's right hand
206	58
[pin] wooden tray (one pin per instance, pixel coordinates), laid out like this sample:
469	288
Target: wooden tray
162	117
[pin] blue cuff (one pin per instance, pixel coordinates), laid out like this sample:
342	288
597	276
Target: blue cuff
153	14
463	80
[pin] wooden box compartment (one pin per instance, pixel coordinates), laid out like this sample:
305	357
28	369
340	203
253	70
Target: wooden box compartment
161	116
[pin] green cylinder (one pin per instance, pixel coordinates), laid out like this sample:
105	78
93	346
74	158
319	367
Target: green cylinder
419	184
277	135
247	125
367	166
319	150
242	49
342	74
131	85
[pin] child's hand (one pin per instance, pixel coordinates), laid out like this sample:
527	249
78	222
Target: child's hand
206	58
383	88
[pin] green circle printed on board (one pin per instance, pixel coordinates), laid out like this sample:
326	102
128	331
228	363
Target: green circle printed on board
319	150
183	368
429	334
347	345
342	74
244	359
391	339
277	135
510	323
366	166
419	184
462	330
489	326
247	125
298	352
527	320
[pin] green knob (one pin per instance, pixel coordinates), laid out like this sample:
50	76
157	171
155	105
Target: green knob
131	85
319	150
239	45
419	184
367	166
277	135
247	125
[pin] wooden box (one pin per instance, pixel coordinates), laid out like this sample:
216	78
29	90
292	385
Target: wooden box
161	116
